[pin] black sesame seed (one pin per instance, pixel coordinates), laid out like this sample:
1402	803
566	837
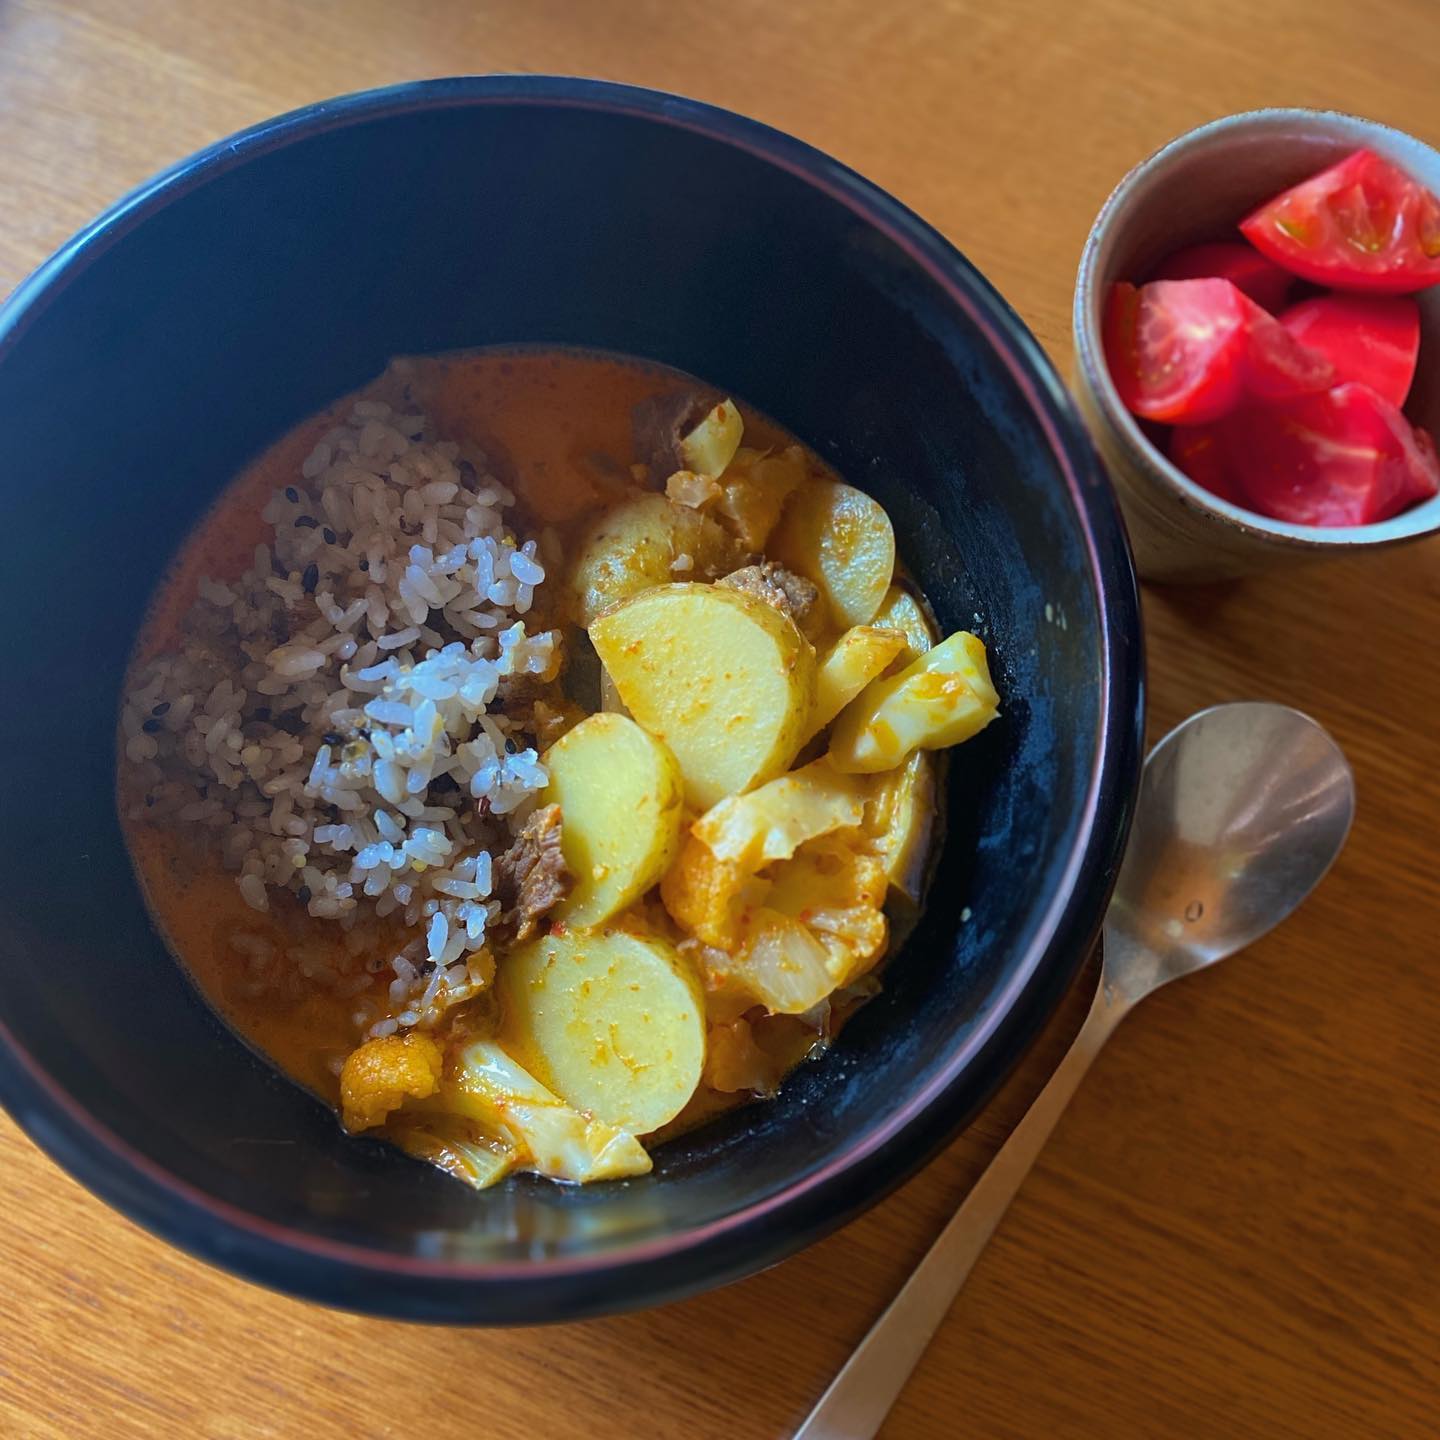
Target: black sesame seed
311	578
292	494
149	801
329	535
331	737
467	473
303	894
306	522
151	726
511	748
365	564
160	709
291	722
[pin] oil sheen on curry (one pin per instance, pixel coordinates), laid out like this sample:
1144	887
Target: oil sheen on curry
536	753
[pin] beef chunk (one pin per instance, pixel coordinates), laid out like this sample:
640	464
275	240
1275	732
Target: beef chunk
791	594
659	423
531	877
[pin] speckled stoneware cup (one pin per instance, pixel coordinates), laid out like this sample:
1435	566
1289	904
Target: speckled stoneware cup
1197	188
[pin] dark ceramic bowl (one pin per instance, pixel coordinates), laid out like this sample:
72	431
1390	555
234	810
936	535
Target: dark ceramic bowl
207	313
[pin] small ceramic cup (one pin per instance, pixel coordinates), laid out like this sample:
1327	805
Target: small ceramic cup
1197	189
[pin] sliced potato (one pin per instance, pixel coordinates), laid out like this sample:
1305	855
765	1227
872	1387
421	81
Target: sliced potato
940	699
773	822
491	1087
841	539
612	1022
712	444
620	795
900	610
634	546
902	818
725	680
855	659
753	492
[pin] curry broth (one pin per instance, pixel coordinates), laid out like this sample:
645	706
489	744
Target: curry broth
556	426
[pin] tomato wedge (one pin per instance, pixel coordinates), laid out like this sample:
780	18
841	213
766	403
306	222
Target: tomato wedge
1363	224
1188	351
1346	457
1199	450
1372	339
1233	260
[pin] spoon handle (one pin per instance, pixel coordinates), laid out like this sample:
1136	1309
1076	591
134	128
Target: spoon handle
860	1396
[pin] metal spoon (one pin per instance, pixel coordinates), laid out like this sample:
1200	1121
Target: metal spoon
1242	809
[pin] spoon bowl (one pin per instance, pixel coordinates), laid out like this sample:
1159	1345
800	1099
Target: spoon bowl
1242	810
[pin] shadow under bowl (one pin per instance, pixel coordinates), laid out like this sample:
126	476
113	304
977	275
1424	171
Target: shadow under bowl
160	350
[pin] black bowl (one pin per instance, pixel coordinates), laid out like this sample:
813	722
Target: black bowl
197	320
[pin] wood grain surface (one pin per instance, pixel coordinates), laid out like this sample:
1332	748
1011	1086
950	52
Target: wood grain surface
1236	1231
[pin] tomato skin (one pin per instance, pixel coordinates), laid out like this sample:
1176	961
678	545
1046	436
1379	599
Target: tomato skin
1344	457
1199	450
1371	339
1242	265
1193	379
1186	352
1361	225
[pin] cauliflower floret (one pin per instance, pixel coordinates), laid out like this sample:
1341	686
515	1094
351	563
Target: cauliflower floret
705	895
771	823
709	890
381	1074
789	937
836	890
754	489
685	487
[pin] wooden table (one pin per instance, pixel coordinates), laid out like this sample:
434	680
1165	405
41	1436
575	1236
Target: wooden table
1236	1231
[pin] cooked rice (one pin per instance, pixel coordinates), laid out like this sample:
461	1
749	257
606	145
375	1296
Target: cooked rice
327	720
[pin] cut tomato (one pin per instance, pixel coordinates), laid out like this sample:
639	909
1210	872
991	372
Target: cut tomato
1347	457
1363	224
1199	450
1372	339
1188	351
1233	260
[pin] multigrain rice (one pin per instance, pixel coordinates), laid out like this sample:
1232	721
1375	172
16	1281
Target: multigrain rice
331	722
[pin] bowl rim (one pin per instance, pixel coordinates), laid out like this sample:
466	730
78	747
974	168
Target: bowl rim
1341	126
352	1275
